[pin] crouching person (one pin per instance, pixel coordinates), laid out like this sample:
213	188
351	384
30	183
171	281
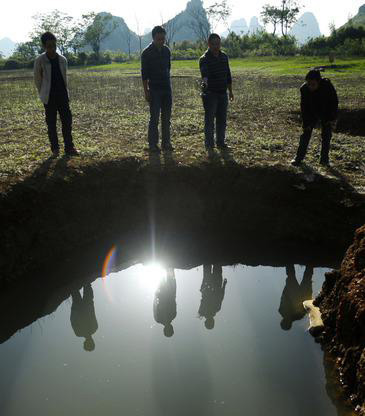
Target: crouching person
50	77
319	102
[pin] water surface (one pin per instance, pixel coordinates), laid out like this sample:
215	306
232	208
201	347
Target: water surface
159	341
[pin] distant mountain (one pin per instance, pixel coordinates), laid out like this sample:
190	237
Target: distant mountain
121	37
178	29
359	19
255	26
305	28
7	47
239	27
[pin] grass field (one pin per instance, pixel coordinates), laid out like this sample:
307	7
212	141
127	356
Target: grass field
272	65
110	117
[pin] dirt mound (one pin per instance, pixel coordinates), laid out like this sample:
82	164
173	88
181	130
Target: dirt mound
342	303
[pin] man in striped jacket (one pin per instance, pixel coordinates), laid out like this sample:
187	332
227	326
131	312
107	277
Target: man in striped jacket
216	79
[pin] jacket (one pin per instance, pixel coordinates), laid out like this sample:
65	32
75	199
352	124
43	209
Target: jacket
321	104
216	70
42	75
156	67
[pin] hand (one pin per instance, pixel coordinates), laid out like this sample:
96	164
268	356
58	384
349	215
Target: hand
204	84
231	96
147	96
334	124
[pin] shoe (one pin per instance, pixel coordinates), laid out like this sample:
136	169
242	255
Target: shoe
55	152
167	147
223	146
324	163
154	148
72	152
296	162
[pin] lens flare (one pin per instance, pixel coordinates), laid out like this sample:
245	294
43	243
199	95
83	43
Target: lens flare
108	263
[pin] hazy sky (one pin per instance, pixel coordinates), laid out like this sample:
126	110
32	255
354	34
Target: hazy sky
16	16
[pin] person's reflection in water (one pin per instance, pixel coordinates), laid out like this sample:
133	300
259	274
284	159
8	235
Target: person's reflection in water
83	318
294	294
164	305
213	289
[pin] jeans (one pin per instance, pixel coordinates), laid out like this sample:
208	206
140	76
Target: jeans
326	141
63	108
215	106
160	102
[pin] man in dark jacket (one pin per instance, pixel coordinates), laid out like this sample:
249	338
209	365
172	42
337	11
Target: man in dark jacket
83	318
216	79
294	294
319	101
213	290
155	68
164	305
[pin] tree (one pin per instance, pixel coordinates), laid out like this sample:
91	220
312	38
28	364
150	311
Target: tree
285	15
78	30
172	27
57	22
271	15
26	51
128	37
289	12
98	27
204	21
139	34
218	12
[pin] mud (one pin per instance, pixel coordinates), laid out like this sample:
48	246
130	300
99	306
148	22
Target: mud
342	304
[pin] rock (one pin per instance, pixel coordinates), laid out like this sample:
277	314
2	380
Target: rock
342	304
315	319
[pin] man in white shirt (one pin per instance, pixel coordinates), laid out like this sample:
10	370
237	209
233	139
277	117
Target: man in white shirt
50	77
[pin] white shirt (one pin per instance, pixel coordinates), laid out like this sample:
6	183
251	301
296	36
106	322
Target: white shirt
43	73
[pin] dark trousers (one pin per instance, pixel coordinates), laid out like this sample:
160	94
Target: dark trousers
63	108
326	141
215	106
160	103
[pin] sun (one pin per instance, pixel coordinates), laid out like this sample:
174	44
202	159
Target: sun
151	275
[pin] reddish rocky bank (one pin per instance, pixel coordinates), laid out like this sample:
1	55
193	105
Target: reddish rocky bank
342	304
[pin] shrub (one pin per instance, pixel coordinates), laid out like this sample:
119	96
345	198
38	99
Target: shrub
12	64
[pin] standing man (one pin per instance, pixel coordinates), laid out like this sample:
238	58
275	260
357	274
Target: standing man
50	77
319	101
155	68
213	289
216	79
83	318
294	294
164	305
